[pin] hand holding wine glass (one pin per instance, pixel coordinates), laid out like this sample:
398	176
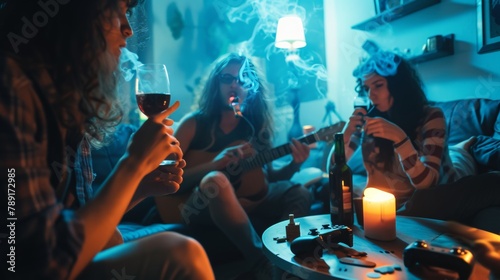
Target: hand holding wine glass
361	102
152	91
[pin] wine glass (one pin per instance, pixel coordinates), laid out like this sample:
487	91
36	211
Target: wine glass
361	101
152	89
152	92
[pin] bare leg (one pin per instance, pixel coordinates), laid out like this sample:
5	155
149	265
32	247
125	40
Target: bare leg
165	255
229	216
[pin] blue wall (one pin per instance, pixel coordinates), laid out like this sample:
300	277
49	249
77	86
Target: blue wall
463	75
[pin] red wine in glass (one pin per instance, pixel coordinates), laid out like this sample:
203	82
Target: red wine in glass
152	103
152	91
361	101
359	106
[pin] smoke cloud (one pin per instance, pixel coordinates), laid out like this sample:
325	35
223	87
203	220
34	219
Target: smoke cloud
129	61
266	14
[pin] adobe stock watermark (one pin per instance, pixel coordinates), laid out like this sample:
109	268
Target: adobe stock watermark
30	27
121	275
487	86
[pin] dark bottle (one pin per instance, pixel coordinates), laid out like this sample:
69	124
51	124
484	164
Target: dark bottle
340	180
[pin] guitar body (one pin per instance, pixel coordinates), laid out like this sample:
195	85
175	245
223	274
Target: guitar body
247	177
247	183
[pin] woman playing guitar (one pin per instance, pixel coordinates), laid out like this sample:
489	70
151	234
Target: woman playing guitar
233	122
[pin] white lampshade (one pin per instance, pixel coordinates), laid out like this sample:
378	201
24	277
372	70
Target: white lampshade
290	33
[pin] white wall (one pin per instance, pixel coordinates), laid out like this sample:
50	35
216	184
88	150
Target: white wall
463	75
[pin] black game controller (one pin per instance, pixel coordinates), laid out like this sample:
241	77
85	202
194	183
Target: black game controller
455	259
324	238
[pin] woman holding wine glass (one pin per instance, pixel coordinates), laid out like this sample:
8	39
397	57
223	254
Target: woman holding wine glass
401	123
57	99
408	156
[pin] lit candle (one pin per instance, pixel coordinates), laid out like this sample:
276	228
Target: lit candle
379	214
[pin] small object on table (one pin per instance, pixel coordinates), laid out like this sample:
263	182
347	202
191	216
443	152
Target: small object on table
373	275
358	262
420	253
280	239
292	229
351	252
385	269
313	231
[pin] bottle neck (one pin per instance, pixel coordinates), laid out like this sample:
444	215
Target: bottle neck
339	153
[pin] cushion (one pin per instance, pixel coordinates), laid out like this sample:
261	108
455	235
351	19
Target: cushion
307	176
133	231
486	152
463	161
471	117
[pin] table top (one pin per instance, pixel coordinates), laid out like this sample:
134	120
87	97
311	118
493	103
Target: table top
383	253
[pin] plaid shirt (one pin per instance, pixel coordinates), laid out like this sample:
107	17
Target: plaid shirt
48	237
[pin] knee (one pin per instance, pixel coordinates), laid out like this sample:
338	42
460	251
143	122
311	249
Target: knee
214	178
188	247
301	194
216	184
177	247
302	191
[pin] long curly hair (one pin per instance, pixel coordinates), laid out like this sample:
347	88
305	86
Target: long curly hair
256	108
68	40
409	106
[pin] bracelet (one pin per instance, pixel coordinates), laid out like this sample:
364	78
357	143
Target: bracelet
399	144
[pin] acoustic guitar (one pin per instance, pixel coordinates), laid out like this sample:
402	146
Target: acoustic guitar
246	176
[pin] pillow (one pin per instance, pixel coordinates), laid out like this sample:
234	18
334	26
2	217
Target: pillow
462	160
486	152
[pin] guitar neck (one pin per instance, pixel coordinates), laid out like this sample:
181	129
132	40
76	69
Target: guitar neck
269	155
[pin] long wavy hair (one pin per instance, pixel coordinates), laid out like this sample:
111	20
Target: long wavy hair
256	108
71	46
408	109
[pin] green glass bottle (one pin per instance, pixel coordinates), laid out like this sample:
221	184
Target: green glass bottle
340	180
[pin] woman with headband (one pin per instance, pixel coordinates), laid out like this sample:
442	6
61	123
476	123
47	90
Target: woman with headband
404	138
404	149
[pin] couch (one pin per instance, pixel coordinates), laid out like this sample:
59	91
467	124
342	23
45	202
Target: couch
465	118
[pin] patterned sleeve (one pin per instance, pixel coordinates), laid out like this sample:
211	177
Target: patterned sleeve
354	142
422	167
48	238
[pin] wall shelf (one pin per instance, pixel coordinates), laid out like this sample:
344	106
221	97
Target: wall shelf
447	50
394	14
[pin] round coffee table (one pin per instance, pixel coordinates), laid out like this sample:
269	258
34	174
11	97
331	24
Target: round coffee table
382	253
